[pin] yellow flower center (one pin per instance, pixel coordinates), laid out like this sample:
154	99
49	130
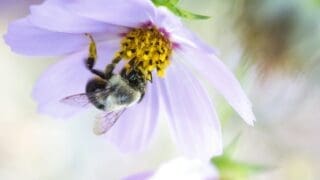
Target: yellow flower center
146	49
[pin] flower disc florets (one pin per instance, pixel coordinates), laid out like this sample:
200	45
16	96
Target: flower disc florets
146	48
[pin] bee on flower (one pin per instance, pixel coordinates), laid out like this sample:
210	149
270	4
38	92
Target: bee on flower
134	61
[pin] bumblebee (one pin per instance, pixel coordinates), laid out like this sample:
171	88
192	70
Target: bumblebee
110	92
145	49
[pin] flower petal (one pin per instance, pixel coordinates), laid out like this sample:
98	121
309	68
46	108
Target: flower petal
134	129
140	176
183	168
166	20
67	77
53	15
185	37
178	33
192	115
24	38
128	13
212	69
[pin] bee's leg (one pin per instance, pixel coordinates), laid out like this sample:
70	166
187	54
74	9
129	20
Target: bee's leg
150	74
90	61
123	72
141	97
110	67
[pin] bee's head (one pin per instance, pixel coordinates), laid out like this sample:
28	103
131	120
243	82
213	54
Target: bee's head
135	79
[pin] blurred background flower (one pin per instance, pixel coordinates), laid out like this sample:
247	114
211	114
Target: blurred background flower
180	168
272	46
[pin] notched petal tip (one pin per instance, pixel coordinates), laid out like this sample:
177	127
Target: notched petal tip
251	118
6	39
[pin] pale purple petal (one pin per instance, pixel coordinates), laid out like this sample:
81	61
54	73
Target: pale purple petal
53	15
140	176
178	33
192	116
134	129
213	70
166	20
185	37
183	168
24	38
130	13
180	168
67	77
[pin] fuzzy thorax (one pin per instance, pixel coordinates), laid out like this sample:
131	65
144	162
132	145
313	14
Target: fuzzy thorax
146	49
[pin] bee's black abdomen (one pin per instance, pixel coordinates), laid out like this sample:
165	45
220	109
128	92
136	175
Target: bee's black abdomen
93	88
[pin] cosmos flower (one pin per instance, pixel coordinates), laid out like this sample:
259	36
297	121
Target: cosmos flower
180	168
58	27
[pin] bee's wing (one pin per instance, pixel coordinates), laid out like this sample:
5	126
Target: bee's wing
82	99
106	121
79	100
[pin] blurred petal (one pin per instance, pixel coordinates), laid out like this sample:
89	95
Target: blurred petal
53	15
24	38
128	13
213	70
135	127
140	176
186	169
67	77
192	115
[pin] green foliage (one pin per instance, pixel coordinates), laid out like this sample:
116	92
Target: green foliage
185	14
160	2
317	2
172	6
174	2
232	169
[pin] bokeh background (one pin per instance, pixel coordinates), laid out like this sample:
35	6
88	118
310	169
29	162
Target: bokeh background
271	45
